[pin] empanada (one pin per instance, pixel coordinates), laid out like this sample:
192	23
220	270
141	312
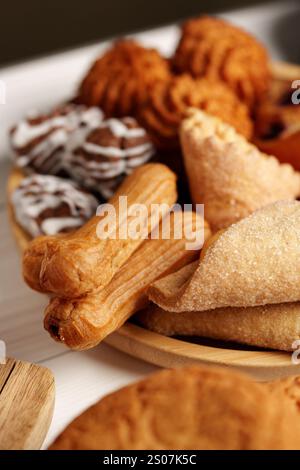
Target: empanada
254	262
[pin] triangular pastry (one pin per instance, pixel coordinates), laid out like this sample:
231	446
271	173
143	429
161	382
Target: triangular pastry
227	174
254	262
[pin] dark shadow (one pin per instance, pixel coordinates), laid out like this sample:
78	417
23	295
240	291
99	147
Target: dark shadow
286	35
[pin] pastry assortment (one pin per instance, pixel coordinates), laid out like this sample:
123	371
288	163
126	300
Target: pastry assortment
214	113
277	123
191	408
212	101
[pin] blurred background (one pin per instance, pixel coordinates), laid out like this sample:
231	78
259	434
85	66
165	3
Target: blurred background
32	28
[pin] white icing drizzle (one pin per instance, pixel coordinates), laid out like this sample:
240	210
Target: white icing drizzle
39	192
115	152
66	134
60	131
55	225
113	161
26	132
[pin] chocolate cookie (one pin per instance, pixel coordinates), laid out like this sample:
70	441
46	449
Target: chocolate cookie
46	205
39	142
110	152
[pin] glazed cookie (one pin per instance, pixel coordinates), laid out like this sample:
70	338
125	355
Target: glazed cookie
168	102
47	205
39	142
120	80
212	48
227	174
109	153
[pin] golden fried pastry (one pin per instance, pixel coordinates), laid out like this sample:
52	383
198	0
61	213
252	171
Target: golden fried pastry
211	47
83	323
253	262
85	260
168	101
191	408
274	326
121	79
230	176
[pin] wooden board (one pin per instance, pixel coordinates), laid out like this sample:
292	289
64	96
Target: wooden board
26	405
170	352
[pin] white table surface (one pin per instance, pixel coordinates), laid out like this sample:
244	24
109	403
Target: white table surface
81	378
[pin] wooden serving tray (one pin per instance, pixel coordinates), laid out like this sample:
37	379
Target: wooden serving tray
173	352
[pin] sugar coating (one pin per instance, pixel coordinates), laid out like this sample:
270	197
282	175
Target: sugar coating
230	176
254	262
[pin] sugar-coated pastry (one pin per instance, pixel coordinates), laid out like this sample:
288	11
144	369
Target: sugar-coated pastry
87	259
230	176
110	152
253	262
213	48
275	326
47	205
191	408
169	100
40	141
121	79
87	321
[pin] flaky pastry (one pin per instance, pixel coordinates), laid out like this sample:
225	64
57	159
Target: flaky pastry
191	408
230	176
83	261
253	262
83	323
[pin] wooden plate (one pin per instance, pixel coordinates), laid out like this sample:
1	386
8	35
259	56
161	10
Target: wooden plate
171	352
